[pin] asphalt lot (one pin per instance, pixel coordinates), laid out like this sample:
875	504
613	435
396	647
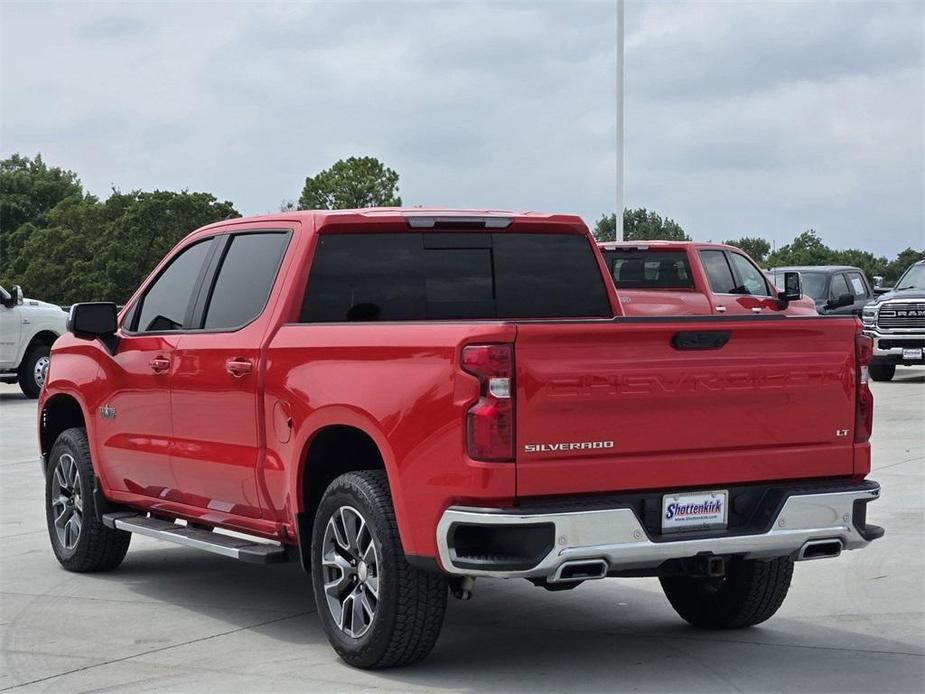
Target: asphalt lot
174	619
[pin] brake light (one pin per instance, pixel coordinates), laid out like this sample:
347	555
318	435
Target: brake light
490	421
864	400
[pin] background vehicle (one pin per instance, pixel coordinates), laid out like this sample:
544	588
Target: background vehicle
27	330
676	278
838	289
895	321
408	399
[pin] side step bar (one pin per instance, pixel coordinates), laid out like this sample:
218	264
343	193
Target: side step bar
237	548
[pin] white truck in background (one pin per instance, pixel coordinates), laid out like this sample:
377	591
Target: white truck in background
28	328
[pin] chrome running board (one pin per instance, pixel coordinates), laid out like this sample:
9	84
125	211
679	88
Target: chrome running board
243	549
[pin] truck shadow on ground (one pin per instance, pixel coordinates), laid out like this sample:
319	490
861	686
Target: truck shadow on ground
515	637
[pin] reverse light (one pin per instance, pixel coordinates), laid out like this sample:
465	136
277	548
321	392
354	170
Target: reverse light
864	400
490	421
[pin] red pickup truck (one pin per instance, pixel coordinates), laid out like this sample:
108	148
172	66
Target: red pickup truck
405	400
686	278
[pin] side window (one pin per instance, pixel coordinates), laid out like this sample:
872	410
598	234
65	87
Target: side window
718	271
838	287
244	280
858	285
164	304
752	278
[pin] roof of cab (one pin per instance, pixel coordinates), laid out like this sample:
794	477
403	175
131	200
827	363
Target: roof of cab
660	243
814	268
379	214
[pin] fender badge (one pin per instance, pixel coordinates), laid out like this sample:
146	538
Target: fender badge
108	412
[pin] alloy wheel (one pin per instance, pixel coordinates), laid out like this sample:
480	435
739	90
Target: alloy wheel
67	502
350	567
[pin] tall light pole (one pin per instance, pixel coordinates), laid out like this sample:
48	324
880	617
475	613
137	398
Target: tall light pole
619	209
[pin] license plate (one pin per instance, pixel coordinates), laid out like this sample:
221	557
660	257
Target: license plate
694	511
912	353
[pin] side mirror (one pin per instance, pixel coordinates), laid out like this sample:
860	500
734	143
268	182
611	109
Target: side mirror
89	321
12	298
842	300
793	289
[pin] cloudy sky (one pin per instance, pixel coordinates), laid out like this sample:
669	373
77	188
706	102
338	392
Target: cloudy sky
761	118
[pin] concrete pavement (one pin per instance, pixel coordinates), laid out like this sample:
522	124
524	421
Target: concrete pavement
174	619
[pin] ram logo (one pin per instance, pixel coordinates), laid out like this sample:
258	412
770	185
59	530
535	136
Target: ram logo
108	412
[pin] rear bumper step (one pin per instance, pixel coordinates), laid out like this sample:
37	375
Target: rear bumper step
808	525
247	550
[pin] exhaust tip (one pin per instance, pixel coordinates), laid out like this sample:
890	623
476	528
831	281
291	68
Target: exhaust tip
820	549
580	570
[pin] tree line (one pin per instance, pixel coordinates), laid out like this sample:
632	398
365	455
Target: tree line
806	249
63	244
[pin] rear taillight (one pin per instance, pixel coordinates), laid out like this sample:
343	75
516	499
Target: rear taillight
490	421
864	400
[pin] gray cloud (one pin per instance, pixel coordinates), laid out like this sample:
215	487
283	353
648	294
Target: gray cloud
740	118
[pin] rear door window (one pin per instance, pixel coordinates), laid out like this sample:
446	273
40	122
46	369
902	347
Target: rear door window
858	285
718	272
434	276
650	269
244	279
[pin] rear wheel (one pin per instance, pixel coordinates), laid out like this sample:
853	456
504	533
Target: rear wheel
378	610
750	592
882	372
33	370
79	540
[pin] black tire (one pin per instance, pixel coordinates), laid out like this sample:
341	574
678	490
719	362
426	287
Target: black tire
408	613
31	386
750	592
882	372
70	476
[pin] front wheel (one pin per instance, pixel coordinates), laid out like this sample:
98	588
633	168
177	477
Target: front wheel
750	592
881	372
33	370
79	540
378	610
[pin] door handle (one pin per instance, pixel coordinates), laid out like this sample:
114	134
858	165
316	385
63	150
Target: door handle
721	309
159	364
238	366
756	309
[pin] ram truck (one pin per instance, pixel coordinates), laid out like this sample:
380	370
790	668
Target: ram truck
28	328
686	278
895	321
406	400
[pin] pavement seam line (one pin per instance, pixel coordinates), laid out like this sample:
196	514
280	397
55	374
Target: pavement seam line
156	650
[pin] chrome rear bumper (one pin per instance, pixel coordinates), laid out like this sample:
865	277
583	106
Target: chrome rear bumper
617	537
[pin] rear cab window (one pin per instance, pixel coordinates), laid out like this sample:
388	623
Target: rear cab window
633	269
408	276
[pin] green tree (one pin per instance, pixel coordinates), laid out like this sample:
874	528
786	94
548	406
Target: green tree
93	251
756	247
351	183
144	228
29	190
897	267
639	224
805	249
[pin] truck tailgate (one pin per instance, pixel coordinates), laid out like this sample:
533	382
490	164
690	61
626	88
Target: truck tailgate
663	403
